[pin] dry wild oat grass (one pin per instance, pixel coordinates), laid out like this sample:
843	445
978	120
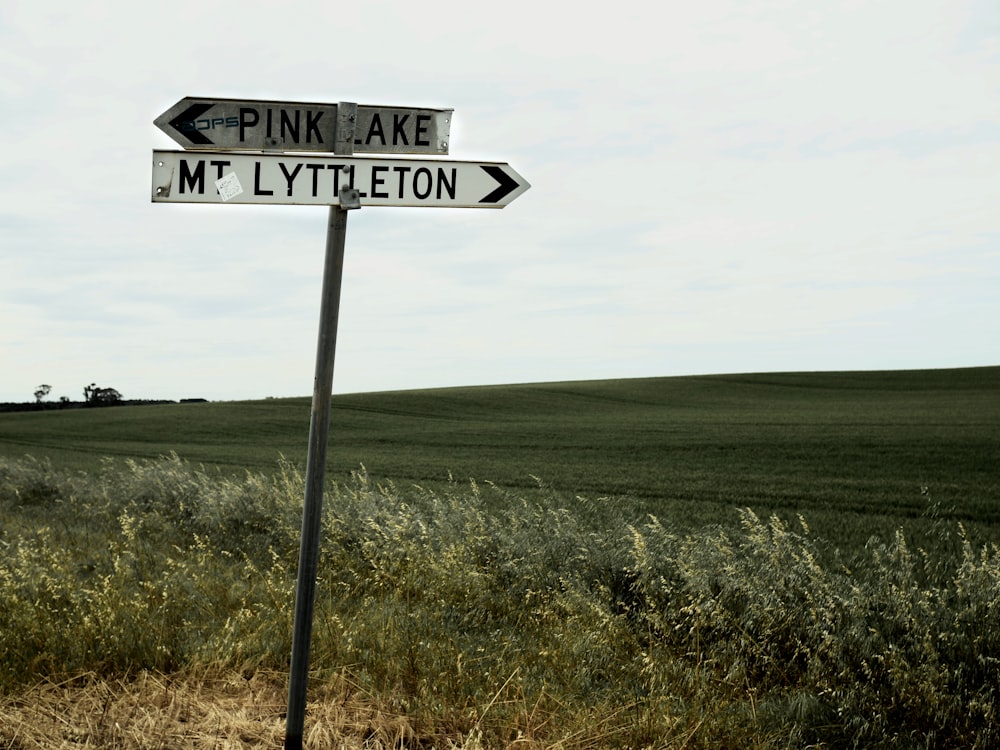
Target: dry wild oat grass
190	711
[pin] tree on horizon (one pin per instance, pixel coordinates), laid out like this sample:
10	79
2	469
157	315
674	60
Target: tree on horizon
97	396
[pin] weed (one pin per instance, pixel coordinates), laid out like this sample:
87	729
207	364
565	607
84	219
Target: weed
470	616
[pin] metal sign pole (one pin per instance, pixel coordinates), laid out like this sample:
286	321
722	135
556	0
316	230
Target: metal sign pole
270	176
305	592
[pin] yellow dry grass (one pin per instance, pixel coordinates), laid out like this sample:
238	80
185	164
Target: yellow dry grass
191	711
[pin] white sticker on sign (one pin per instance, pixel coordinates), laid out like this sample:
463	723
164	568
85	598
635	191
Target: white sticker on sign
229	186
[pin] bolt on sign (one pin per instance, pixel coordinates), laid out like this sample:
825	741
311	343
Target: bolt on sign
244	152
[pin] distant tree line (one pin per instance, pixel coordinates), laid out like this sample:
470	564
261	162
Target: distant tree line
93	395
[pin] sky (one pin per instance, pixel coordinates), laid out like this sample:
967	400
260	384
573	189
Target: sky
725	186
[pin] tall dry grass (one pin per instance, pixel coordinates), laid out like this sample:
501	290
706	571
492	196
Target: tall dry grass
471	617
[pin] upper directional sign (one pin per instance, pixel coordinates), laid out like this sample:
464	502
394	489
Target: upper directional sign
288	179
230	124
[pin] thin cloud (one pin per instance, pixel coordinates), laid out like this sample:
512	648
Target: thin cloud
733	187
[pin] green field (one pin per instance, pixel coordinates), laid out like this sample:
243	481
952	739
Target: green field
822	567
850	451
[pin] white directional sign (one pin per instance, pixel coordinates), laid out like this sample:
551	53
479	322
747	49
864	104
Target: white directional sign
236	154
225	124
286	179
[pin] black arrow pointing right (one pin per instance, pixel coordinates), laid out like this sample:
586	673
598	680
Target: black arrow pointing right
507	184
187	118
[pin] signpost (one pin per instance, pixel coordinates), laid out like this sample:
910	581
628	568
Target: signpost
286	179
233	124
213	170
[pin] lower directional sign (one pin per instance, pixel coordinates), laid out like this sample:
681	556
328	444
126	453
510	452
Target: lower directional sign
285	179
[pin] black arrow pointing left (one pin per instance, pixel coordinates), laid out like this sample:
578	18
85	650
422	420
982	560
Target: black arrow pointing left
184	123
506	185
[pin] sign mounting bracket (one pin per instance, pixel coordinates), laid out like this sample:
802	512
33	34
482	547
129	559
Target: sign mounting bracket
347	119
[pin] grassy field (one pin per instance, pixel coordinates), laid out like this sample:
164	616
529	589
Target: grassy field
854	451
820	567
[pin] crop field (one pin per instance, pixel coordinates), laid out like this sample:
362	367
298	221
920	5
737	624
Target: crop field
863	450
732	561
